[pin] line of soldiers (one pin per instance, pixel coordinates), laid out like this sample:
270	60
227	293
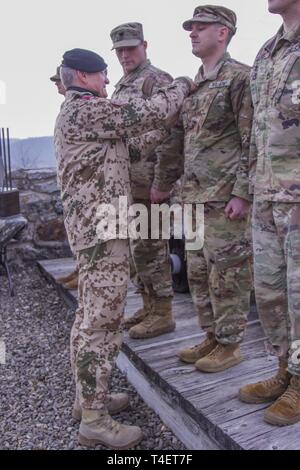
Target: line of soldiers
236	135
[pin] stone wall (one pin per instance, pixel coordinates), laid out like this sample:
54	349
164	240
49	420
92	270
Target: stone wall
45	236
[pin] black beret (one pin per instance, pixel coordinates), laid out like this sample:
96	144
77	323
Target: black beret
84	61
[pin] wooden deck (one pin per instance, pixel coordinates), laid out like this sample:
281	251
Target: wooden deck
201	409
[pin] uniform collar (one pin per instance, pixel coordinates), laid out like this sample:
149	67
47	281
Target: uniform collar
213	75
134	74
291	36
82	90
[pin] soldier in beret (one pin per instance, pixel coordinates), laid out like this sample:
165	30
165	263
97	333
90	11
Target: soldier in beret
92	159
150	257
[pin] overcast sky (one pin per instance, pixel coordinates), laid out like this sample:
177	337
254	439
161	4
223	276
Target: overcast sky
34	34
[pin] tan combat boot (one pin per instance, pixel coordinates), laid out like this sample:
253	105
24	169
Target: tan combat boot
158	322
139	316
116	402
286	410
98	427
192	355
269	389
68	278
72	285
222	357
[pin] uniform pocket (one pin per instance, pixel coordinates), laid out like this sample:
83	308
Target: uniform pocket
233	272
216	108
287	93
253	82
232	259
141	179
105	264
294	245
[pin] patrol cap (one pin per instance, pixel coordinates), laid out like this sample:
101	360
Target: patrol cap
56	77
84	61
212	14
127	35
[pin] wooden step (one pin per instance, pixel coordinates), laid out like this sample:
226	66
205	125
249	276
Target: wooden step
201	409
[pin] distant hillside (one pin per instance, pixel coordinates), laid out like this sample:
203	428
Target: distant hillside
35	152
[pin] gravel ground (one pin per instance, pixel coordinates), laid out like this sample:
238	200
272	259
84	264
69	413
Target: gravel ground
36	387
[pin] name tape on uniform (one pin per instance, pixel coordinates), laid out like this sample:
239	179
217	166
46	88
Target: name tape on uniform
221	84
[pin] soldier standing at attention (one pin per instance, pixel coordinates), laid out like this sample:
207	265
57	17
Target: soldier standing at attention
275	157
92	170
216	121
150	257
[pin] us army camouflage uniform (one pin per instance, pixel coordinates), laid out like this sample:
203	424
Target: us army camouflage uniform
150	257
216	122
93	169
275	178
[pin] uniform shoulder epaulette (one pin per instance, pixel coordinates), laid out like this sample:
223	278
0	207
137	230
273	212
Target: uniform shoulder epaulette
241	65
148	85
157	71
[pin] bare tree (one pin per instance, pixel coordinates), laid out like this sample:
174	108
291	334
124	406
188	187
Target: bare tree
26	156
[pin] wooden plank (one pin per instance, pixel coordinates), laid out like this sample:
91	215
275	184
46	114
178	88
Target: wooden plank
183	338
190	403
184	427
186	379
58	268
184	382
252	433
51	269
201	409
166	389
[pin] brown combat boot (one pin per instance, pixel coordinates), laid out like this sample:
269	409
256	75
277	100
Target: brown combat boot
222	357
193	354
139	316
269	389
158	322
98	427
68	278
286	409
116	402
72	285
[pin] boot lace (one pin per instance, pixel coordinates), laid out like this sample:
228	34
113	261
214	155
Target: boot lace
112	425
274	381
216	351
148	321
205	342
290	395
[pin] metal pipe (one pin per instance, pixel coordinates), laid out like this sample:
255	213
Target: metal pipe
2	165
176	263
5	162
9	159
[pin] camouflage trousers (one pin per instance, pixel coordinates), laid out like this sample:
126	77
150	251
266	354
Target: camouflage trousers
219	275
276	238
151	268
96	335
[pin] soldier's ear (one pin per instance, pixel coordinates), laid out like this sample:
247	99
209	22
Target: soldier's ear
223	33
145	45
81	76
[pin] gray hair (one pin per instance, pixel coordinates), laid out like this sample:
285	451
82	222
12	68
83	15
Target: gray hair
67	76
